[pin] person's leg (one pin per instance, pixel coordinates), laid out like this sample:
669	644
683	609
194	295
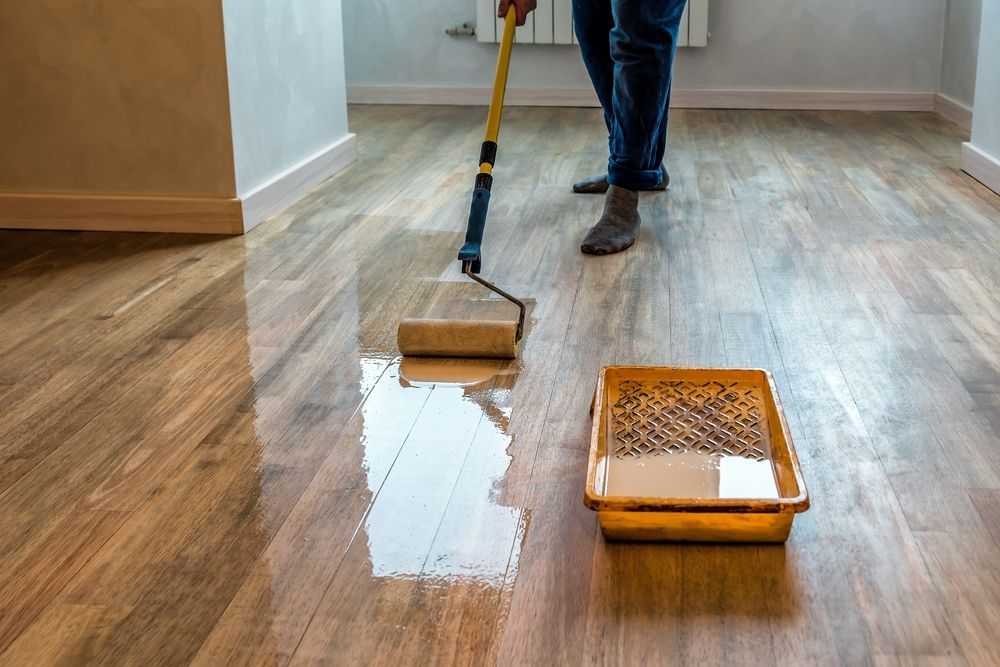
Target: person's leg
592	22
598	184
664	16
643	41
618	227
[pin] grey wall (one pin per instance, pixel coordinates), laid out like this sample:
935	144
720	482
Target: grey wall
961	49
798	44
286	83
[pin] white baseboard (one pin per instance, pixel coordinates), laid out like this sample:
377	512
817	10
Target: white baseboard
278	192
981	166
120	213
690	98
817	100
470	96
953	110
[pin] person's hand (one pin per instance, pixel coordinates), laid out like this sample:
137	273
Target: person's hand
521	7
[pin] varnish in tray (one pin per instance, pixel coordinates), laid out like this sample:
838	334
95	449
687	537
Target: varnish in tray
692	454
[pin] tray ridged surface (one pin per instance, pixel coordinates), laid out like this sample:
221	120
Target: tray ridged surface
666	416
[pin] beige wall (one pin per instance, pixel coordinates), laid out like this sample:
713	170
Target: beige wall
114	96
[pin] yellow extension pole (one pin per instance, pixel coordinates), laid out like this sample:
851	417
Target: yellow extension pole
499	83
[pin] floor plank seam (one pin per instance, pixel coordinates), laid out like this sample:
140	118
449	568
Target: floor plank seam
364	517
898	507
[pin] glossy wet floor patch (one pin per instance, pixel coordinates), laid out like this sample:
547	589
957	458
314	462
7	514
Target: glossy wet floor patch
436	446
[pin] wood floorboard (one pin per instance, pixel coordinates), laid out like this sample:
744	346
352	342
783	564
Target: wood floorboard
210	454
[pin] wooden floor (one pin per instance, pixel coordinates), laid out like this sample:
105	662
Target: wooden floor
209	455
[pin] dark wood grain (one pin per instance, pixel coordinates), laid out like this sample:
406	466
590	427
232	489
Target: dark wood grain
209	455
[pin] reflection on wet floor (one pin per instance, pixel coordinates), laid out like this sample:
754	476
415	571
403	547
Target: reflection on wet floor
435	453
429	371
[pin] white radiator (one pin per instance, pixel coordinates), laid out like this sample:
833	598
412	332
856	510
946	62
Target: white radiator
552	23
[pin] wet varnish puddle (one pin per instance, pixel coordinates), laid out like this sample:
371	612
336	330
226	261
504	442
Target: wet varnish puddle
690	475
436	444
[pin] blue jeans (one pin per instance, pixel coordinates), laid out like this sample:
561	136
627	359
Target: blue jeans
628	48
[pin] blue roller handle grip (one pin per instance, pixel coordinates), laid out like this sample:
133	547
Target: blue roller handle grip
472	250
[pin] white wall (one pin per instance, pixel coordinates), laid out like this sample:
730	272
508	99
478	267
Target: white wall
981	155
961	49
986	112
286	83
798	44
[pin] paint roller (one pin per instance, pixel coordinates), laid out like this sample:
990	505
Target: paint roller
486	339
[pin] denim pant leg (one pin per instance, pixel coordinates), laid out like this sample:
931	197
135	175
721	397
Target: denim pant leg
592	23
643	41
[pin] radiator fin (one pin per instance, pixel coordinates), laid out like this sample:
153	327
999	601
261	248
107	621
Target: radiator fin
552	23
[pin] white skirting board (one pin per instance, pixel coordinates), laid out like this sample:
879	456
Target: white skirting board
690	98
953	110
981	166
275	194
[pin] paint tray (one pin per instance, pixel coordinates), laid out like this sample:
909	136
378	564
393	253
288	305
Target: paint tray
692	454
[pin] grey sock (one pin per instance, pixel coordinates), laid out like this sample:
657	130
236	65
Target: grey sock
599	184
619	224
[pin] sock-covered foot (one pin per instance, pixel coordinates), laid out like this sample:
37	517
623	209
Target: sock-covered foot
599	184
619	224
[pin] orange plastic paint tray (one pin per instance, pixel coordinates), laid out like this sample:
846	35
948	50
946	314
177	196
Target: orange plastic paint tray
692	454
